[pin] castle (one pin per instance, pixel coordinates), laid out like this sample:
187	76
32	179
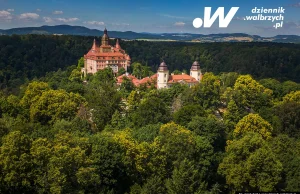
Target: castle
163	79
105	55
114	57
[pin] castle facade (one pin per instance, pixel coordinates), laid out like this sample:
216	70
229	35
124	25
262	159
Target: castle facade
103	56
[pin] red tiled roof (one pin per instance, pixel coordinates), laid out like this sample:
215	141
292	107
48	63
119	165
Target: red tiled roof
183	77
95	52
172	79
147	80
134	80
154	76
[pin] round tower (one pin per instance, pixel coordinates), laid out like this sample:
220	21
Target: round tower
195	71
162	76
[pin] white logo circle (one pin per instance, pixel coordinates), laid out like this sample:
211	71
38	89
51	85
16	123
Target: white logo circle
197	23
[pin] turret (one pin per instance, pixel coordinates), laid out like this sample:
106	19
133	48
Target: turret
162	76
94	47
105	38
117	44
195	71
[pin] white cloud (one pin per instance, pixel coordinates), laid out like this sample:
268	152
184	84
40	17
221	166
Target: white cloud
120	24
47	19
28	16
57	12
38	10
67	19
10	10
5	15
172	16
179	24
94	23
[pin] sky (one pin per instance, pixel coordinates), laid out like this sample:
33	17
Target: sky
154	16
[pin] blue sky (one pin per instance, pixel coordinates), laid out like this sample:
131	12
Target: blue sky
154	16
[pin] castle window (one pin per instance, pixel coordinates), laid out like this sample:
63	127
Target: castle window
165	75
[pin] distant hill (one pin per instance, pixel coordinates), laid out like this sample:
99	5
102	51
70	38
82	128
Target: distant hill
83	31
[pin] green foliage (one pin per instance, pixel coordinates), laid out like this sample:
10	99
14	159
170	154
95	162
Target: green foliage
154	185
121	71
287	151
180	143
207	93
274	85
250	165
140	71
103	101
249	93
63	80
289	86
49	53
80	63
75	75
185	179
61	135
177	72
228	79
107	155
11	106
33	92
253	123
210	128
146	133
105	76
184	115
232	116
293	96
55	105
151	110
126	86
15	165
289	116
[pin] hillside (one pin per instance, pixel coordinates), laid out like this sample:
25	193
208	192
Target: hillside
83	31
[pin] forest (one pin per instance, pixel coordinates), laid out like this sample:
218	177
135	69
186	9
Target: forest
25	57
234	131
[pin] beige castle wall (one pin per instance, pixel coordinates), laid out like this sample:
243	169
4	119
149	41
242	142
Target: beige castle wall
196	75
91	66
162	79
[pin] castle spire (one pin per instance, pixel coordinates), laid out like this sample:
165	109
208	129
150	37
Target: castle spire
94	45
105	38
117	44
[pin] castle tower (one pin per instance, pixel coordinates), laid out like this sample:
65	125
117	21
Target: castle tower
195	71
118	44
94	47
105	38
103	56
162	76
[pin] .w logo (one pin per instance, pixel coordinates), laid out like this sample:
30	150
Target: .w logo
209	20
